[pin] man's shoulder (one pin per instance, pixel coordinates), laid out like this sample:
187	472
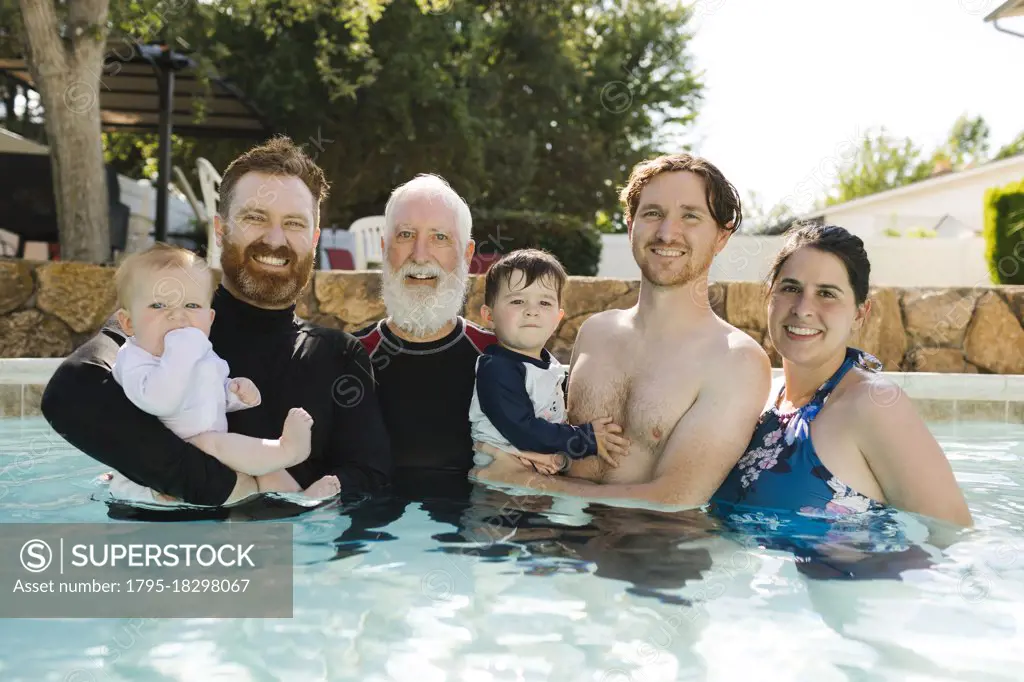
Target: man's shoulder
604	323
739	345
335	338
369	336
477	336
736	354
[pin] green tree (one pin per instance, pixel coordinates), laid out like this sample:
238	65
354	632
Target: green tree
539	106
1012	148
967	144
542	106
882	162
759	220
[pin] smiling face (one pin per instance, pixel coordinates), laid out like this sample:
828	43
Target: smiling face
269	240
813	310
524	318
426	269
166	299
673	236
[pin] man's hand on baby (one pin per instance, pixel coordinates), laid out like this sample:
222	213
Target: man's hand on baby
610	444
246	391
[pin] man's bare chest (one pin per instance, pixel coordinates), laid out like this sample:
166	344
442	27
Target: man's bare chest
646	396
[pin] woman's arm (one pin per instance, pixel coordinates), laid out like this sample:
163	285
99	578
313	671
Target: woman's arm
908	463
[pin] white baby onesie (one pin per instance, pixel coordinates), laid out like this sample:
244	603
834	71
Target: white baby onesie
186	387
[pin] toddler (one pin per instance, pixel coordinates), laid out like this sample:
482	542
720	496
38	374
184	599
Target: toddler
519	401
167	368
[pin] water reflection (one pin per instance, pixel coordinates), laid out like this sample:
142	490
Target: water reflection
656	553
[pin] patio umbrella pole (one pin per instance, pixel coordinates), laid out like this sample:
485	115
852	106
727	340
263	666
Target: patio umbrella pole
165	77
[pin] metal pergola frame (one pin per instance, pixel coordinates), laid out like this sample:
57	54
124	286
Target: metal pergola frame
152	87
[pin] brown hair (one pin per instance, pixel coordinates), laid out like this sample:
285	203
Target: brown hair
533	263
722	198
277	156
832	239
160	256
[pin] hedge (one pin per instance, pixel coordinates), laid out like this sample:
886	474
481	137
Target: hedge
576	244
1004	233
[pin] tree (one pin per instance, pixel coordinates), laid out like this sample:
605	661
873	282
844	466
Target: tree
1012	149
967	144
542	106
65	43
65	47
882	162
758	220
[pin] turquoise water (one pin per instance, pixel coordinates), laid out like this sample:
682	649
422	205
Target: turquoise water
470	584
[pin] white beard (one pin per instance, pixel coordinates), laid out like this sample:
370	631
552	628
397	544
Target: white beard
424	311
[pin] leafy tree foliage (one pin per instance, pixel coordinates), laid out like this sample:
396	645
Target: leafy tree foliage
542	106
1013	148
883	162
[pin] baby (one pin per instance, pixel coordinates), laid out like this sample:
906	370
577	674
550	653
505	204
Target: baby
519	401
167	368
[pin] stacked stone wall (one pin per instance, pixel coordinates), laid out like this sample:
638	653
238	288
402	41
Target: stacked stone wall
48	309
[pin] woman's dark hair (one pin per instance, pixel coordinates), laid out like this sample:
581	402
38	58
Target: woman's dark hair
831	239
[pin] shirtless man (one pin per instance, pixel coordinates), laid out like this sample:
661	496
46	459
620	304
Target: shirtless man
686	386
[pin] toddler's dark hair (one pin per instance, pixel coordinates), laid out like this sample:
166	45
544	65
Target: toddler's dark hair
533	263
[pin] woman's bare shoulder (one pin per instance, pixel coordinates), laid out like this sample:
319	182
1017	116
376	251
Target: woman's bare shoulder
872	400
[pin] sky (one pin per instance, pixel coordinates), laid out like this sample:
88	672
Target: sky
792	85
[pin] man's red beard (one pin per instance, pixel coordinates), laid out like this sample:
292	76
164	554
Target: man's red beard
259	285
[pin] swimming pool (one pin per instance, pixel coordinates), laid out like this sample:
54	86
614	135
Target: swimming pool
470	587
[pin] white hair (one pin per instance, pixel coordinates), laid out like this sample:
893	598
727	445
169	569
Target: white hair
431	186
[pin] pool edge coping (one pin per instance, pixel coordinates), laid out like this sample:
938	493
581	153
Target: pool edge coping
920	385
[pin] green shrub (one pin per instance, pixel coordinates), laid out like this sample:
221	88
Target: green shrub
1004	233
576	244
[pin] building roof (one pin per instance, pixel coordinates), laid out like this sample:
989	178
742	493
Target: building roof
129	94
1010	8
922	185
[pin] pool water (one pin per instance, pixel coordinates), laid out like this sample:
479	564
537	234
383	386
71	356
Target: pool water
456	582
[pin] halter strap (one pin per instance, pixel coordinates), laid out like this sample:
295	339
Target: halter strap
800	420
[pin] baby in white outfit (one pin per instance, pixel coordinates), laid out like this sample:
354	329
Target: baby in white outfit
167	368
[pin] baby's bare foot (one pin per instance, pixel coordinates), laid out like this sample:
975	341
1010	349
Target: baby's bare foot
296	436
328	486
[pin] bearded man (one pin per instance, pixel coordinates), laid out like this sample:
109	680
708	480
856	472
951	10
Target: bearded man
424	352
268	227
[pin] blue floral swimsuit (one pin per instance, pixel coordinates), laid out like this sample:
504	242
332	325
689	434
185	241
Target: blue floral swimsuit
780	469
782	497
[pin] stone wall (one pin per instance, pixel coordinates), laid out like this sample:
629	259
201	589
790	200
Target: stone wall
47	309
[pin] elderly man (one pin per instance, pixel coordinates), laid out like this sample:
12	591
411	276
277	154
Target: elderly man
686	386
268	224
424	353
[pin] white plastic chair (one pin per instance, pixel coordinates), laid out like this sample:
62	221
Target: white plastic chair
368	232
209	185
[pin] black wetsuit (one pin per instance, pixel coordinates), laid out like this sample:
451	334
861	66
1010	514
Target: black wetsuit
425	390
292	362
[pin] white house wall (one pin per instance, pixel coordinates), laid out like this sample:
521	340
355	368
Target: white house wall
962	197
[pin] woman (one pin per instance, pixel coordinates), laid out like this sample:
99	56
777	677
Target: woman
838	437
